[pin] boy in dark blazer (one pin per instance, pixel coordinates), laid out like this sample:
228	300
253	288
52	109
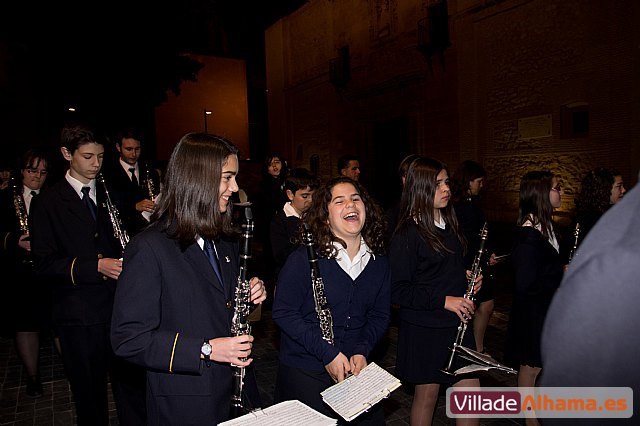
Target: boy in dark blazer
74	247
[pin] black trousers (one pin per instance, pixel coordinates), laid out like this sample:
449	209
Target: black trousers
88	361
87	356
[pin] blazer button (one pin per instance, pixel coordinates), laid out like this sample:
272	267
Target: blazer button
104	278
229	304
95	235
100	256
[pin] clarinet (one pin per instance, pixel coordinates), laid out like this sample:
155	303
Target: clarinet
240	325
21	208
576	234
476	269
322	306
150	186
21	214
118	230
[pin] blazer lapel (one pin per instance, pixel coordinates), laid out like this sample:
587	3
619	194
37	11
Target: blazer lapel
74	204
229	273
196	257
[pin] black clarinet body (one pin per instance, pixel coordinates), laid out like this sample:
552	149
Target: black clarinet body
322	306
574	248
476	270
240	325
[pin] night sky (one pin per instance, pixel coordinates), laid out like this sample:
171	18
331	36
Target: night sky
118	59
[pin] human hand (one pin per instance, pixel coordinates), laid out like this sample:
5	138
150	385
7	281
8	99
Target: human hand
478	285
357	362
110	267
234	350
258	292
24	242
338	368
145	206
461	306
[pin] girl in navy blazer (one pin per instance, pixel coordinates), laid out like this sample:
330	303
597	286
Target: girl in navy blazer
172	314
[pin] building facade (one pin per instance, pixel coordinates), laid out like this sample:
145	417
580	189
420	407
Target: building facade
516	85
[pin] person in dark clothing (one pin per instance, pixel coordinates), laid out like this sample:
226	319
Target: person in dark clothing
299	187
137	181
466	185
348	230
601	188
394	210
429	282
269	199
27	296
174	303
538	269
73	246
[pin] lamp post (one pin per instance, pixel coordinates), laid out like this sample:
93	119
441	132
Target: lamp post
205	113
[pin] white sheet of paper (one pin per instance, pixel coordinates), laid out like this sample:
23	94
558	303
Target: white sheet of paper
285	413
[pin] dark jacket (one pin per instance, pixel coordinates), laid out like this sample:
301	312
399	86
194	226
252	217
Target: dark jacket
119	181
66	244
167	303
283	230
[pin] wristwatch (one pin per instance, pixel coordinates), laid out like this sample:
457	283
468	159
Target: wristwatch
205	350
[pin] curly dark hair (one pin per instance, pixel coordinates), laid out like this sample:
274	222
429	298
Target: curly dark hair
595	190
317	217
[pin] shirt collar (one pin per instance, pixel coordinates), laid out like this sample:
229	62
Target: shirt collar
77	185
289	210
127	166
361	259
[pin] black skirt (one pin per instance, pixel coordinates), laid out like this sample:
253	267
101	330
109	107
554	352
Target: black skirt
424	351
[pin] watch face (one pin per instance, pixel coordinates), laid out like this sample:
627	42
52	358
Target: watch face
206	349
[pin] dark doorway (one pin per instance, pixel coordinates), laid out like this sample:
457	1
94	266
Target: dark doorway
390	146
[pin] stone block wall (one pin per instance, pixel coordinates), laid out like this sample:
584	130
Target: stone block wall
509	61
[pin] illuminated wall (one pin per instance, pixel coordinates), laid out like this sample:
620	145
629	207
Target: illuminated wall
516	89
222	89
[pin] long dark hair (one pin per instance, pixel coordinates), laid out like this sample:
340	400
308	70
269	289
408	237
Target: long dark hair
189	204
535	204
468	171
416	204
317	217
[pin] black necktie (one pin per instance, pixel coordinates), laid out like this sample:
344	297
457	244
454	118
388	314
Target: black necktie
33	194
213	259
134	179
88	202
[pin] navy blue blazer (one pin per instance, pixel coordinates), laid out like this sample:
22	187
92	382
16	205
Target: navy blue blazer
168	301
66	244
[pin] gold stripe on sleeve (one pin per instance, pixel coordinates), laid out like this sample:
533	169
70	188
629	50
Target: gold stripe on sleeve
73	281
6	238
173	352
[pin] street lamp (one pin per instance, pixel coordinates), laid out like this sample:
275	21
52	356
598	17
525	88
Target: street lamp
205	113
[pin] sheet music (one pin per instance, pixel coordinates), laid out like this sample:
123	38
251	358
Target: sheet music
285	413
480	362
357	394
